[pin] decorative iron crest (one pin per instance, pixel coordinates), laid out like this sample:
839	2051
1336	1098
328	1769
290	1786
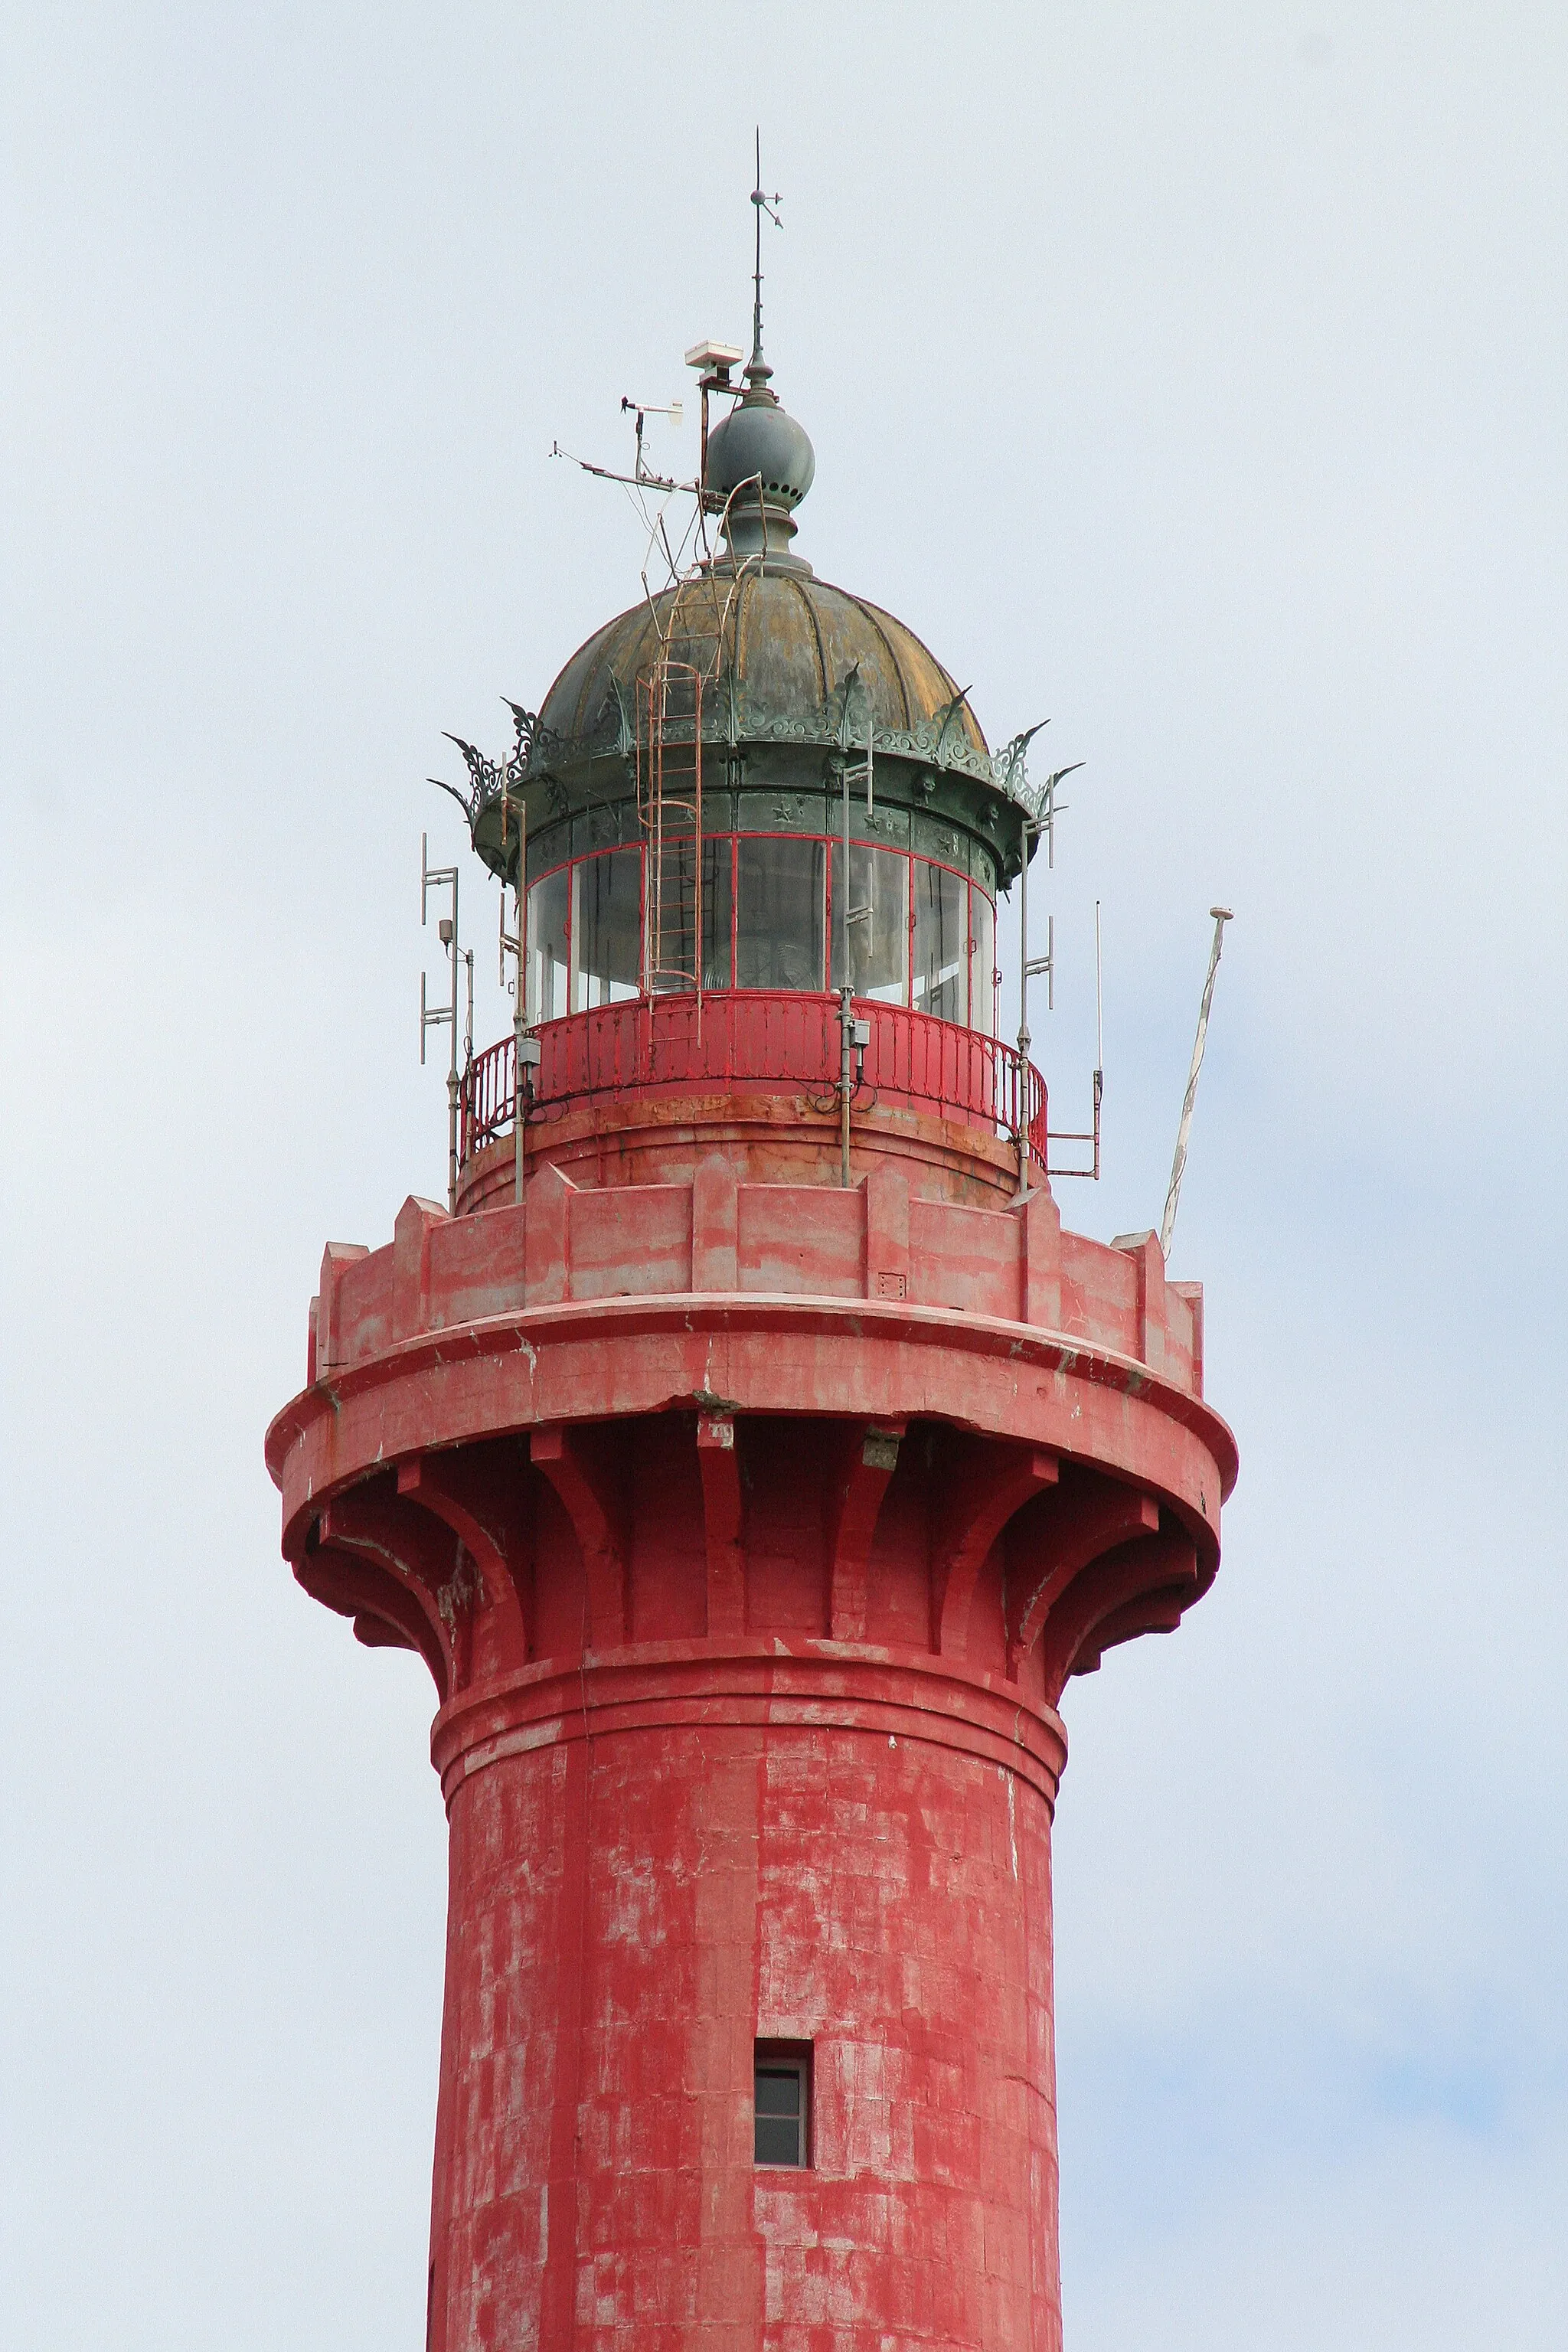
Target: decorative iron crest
1010	766
732	716
533	747
1038	802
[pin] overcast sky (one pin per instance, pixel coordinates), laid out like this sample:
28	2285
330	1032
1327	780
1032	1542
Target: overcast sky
1197	376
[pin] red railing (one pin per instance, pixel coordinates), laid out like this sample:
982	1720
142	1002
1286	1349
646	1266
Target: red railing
762	1041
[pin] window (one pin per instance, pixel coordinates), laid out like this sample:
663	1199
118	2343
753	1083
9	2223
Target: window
878	924
606	926
719	913
982	962
782	2109
942	941
670	953
780	894
607	945
547	946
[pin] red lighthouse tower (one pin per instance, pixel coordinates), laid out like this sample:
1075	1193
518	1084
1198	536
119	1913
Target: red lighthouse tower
753	1458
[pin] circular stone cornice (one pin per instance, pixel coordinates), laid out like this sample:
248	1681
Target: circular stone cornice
726	1352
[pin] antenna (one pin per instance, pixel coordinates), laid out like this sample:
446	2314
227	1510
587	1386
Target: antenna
676	412
1039	819
712	360
445	878
763	204
1222	916
1098	1042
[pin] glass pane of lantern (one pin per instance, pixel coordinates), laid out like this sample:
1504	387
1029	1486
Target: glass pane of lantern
983	963
780	897
547	903
942	941
609	928
878	923
717	912
676	915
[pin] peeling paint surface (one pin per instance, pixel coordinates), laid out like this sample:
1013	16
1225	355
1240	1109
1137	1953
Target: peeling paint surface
751	1530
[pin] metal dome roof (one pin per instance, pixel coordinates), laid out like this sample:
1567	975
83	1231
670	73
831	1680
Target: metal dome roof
791	642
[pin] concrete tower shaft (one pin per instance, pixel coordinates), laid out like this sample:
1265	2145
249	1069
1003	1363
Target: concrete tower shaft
751	1531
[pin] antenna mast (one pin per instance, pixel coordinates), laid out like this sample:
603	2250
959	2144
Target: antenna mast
1037	821
445	878
763	204
1222	916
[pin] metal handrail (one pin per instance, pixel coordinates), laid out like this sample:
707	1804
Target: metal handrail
763	1039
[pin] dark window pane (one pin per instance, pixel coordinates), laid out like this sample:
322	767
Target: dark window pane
718	911
778	2095
780	2131
780	2102
672	915
780	901
778	2140
608	946
672	918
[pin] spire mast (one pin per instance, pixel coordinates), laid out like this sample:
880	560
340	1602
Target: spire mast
758	371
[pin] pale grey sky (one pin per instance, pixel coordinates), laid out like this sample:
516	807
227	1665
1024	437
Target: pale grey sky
1196	375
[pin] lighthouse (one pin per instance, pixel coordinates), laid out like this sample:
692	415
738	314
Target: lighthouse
753	1459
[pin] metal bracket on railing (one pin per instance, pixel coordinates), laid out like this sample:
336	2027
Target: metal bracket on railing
1090	1135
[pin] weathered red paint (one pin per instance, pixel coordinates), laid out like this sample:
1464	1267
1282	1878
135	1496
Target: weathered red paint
751	1529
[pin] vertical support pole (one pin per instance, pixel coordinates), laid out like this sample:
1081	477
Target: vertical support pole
846	1078
846	1001
520	1013
455	953
441	878
644	692
1098	1042
1023	1191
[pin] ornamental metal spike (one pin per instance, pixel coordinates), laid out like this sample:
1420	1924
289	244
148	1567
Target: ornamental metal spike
1010	766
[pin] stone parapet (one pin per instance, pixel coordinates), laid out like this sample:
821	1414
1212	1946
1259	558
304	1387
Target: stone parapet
876	1241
